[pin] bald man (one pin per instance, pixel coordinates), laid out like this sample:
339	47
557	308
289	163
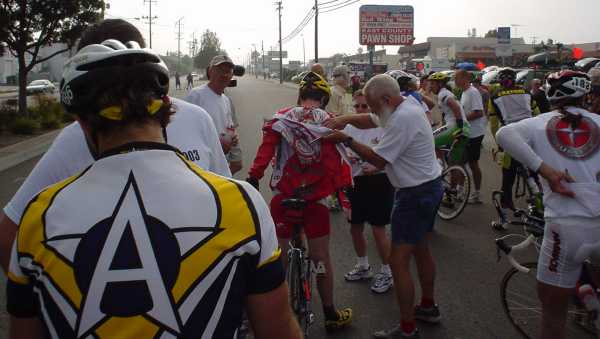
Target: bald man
318	68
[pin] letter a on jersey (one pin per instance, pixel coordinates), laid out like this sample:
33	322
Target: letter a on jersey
128	229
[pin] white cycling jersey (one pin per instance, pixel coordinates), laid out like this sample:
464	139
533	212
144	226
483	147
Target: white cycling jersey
443	96
548	138
191	130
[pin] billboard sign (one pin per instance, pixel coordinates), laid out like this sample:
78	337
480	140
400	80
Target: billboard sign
503	35
275	54
504	48
386	25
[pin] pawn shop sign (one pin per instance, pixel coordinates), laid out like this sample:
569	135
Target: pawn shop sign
386	25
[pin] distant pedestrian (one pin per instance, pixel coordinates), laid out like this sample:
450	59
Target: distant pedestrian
318	68
594	96
177	81
539	96
340	104
190	82
355	80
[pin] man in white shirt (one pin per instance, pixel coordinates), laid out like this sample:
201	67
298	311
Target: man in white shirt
563	146
191	130
406	152
473	107
212	98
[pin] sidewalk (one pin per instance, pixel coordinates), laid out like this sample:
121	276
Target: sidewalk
8	89
25	150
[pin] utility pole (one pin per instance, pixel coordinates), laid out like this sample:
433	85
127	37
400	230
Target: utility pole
316	31
150	19
178	23
303	53
262	48
280	50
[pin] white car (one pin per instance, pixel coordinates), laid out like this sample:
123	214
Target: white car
40	86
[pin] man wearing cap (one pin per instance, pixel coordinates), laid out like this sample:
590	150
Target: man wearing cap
340	102
212	98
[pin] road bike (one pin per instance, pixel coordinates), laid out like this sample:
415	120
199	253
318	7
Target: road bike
455	195
299	270
526	186
518	288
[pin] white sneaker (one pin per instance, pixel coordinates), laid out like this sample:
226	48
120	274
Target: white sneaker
474	198
382	283
359	273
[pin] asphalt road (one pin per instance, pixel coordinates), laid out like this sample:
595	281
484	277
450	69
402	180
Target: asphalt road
468	276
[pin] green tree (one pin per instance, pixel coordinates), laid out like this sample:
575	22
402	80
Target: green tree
210	45
28	25
492	33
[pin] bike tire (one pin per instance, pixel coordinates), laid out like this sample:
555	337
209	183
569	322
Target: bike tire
452	204
292	279
296	290
518	293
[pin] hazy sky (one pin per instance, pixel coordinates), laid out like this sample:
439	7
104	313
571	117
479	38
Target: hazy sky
241	23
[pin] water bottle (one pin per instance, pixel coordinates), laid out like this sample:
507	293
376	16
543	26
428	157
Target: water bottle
588	297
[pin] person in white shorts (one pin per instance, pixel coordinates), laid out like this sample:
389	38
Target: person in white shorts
212	98
191	130
563	147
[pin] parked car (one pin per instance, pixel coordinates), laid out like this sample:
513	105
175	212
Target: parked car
41	86
586	64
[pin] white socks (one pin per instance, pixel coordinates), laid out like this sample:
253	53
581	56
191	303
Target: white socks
363	261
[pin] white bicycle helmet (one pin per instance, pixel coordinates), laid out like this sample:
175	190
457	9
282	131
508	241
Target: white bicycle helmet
404	79
567	84
98	67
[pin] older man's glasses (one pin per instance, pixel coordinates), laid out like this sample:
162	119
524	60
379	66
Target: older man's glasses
363	106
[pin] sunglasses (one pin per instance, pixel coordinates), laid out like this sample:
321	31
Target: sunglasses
363	106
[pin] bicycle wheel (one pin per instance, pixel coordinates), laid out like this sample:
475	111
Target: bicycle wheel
518	292
296	283
455	196
293	279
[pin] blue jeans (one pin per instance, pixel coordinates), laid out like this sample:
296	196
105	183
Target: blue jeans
415	210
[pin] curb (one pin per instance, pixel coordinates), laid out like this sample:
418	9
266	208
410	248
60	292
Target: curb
20	152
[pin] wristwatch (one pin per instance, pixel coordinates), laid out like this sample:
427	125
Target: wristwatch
348	142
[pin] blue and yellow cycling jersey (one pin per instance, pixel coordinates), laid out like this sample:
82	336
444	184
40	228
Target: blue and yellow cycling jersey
143	244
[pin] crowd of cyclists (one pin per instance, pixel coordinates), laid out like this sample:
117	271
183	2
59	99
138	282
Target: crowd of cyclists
131	225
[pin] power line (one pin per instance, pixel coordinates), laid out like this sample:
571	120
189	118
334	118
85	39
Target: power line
300	26
334	5
342	6
328	2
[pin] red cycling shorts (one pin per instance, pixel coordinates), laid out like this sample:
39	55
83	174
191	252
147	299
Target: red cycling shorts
314	218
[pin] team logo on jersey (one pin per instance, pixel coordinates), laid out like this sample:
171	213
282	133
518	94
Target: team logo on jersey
574	142
117	260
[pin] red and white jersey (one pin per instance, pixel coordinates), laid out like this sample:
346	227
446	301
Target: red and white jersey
549	138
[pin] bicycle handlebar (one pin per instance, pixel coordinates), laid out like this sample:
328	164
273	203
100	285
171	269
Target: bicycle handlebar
502	246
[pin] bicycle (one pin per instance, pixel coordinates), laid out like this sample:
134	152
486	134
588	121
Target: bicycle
299	271
527	185
518	289
455	197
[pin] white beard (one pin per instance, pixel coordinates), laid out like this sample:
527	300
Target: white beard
384	116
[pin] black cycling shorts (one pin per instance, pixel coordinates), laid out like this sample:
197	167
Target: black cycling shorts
371	200
473	150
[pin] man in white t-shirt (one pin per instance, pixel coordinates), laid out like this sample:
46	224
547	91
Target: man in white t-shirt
563	146
406	152
212	98
191	130
472	105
